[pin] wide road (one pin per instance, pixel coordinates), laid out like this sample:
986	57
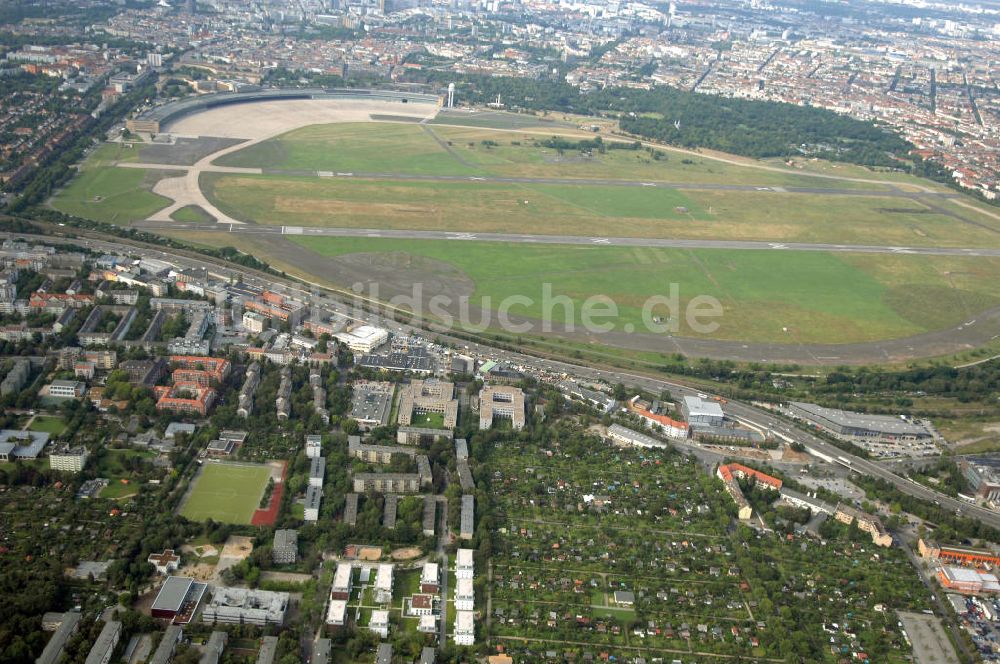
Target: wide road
758	417
520	238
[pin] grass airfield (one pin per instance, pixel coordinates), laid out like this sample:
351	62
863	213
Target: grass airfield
768	297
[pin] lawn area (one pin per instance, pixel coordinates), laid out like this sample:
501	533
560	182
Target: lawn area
226	492
110	194
116	490
523	155
365	147
428	420
613	612
593	210
192	214
51	425
457	206
113	463
818	297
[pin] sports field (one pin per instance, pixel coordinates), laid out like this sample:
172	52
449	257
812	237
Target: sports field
227	493
787	297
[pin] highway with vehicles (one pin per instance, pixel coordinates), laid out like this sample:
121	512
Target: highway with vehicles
329	300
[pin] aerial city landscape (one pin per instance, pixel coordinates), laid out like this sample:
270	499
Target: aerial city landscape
499	331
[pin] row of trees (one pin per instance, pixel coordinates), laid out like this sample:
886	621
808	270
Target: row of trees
752	128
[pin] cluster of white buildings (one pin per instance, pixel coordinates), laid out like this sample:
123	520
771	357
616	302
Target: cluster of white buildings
465	598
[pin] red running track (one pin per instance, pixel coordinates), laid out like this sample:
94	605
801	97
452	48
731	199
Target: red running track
267	517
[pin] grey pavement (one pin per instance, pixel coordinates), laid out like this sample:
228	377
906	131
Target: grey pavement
521	238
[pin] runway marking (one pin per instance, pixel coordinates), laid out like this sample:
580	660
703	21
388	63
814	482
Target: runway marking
462	236
600	240
474	179
291	230
325	174
648	184
345	175
775	245
780	190
762	188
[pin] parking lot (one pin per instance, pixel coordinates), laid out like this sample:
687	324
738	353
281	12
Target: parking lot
930	643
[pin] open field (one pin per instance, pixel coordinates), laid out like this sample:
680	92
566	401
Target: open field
504	120
444	150
388	148
49	424
117	490
226	492
821	298
364	175
113	195
557	209
193	214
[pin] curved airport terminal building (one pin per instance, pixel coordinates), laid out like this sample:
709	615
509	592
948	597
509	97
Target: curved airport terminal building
156	119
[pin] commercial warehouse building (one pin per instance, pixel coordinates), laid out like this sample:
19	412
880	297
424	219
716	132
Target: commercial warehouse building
968	581
957	555
363	338
371	403
860	427
701	411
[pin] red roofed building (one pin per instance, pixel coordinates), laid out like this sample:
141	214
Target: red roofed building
739	471
203	378
958	554
200	369
669	426
59	301
185	397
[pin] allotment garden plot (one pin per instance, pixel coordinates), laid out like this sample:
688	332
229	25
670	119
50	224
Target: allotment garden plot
640	552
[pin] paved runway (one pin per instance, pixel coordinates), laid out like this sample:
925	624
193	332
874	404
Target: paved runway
891	192
514	238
